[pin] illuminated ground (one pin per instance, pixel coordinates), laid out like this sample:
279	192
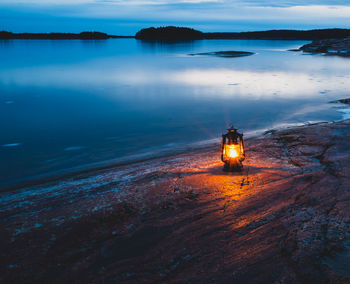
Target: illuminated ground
181	219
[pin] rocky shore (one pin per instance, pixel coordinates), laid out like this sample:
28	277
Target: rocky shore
329	46
181	219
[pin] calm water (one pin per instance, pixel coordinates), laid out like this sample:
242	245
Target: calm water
68	104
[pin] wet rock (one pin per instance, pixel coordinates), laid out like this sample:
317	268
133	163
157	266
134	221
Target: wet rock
329	46
344	101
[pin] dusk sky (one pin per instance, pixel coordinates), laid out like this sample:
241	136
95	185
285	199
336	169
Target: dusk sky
126	17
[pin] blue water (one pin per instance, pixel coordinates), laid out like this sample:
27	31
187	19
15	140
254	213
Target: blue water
69	104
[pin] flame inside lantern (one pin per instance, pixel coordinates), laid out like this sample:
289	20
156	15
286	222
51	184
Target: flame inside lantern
232	151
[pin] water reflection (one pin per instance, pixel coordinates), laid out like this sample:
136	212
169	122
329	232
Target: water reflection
210	82
71	103
164	46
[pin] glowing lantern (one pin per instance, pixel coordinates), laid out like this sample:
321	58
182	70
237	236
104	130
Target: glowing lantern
232	150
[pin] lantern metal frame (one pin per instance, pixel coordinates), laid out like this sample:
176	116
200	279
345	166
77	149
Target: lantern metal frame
232	150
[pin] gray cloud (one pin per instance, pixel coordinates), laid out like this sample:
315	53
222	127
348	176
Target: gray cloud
262	3
128	16
290	3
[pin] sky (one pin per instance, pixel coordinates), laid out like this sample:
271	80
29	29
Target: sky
126	17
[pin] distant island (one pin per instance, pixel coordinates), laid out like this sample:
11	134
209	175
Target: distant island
172	33
283	34
82	35
225	54
169	33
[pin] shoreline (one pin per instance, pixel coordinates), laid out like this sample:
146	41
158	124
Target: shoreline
36	180
82	170
182	219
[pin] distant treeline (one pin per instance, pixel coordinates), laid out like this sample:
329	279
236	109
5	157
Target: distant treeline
283	34
172	33
83	35
179	33
169	33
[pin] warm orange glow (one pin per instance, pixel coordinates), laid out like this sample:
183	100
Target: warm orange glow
232	151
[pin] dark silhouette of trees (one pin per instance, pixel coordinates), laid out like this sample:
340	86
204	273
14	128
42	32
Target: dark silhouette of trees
172	33
283	34
178	33
169	33
82	35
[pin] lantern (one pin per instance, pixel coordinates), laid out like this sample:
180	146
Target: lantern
232	150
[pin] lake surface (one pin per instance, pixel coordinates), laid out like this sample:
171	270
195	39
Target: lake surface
66	105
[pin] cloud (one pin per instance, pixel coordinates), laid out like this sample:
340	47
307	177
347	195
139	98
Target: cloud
291	3
128	16
218	12
258	3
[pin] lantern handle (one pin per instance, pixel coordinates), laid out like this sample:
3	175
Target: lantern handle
242	145
231	127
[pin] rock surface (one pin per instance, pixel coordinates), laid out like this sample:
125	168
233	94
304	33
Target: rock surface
329	46
227	54
181	219
345	101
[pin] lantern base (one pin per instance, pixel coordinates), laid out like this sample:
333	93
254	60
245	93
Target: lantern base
233	166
